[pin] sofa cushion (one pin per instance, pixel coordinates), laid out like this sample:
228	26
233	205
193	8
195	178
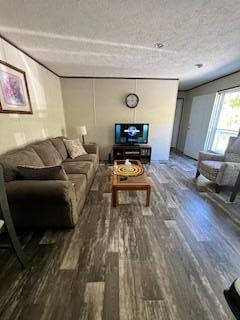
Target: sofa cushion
74	148
82	167
85	157
48	154
79	182
210	169
24	157
59	145
44	173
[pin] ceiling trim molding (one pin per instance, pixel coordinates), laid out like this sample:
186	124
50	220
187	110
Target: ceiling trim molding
218	78
27	54
126	78
123	78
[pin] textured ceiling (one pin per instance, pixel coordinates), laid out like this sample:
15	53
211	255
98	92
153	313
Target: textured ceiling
114	38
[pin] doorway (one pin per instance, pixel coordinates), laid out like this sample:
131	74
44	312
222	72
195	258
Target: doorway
177	122
198	124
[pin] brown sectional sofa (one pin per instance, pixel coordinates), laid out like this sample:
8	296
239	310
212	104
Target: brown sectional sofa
48	203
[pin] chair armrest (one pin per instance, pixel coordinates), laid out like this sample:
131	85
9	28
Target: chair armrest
40	190
228	174
210	156
92	148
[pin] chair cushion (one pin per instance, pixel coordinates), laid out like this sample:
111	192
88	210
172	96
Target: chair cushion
59	145
79	182
210	169
82	167
74	148
24	157
44	173
48	154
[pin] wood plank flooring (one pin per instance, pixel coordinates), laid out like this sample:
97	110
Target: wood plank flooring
170	261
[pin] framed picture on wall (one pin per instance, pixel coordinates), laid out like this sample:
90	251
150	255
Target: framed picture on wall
14	94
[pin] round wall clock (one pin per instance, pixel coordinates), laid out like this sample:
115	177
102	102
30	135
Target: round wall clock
132	100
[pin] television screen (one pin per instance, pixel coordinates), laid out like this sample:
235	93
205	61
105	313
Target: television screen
130	133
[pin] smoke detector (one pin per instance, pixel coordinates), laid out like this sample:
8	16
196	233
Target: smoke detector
158	45
199	65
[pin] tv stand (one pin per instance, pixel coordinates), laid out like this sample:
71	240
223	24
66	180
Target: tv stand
132	145
135	152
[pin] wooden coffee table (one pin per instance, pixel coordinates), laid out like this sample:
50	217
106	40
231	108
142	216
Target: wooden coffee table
131	183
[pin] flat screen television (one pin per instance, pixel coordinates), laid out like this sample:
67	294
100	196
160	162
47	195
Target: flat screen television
131	133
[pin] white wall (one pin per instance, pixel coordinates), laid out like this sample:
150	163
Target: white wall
209	88
100	103
46	98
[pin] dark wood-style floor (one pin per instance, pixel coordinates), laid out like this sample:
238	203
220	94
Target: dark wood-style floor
171	261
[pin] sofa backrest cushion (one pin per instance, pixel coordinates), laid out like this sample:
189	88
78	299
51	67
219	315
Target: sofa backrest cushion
60	147
233	150
24	157
48	154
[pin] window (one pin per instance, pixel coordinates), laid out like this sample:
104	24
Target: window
225	120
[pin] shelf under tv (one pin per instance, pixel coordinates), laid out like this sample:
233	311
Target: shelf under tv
136	152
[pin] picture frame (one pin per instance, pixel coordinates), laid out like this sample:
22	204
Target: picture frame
14	93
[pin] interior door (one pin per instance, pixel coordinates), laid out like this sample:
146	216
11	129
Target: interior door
177	120
200	115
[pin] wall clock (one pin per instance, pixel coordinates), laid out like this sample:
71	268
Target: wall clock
132	100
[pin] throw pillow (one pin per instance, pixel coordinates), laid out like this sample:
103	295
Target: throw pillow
42	173
74	148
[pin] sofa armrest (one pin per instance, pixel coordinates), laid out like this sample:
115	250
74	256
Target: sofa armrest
40	190
42	203
92	148
228	174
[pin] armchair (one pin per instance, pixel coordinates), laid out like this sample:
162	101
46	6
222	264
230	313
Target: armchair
223	169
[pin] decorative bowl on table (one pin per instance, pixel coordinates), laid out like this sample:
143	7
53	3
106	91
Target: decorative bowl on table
127	171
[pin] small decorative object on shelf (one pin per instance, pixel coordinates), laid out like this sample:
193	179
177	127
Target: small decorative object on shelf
83	132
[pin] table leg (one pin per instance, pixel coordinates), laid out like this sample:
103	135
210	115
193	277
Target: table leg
148	196
114	197
235	189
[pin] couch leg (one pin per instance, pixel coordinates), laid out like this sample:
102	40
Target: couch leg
218	188
197	174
